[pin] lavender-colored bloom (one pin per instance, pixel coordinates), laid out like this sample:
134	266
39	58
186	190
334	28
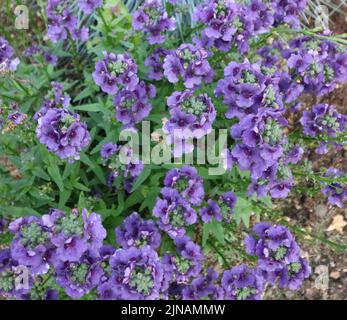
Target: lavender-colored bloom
323	121
17	117
29	246
133	106
212	210
242	283
115	71
317	65
227	202
274	245
187	182
188	62
335	191
204	286
293	275
108	150
152	18
136	232
155	62
123	163
61	20
288	11
50	58
10	272
88	6
246	89
79	277
186	264
137	273
198	108
174	213
73	234
7	62
63	133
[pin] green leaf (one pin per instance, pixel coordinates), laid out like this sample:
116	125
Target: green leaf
141	178
215	229
54	172
64	197
133	199
18	211
91	107
243	211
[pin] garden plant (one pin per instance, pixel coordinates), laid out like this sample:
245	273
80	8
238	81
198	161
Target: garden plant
146	147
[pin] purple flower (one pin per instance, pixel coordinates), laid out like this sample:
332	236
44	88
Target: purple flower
88	6
174	213
197	107
73	234
123	163
186	264
63	133
152	18
137	273
10	273
61	20
108	150
242	283
274	246
7	62
227	202
189	62
293	275
115	71
212	210
187	182
323	121
136	232
133	106
204	286
155	62
335	191
79	277
29	246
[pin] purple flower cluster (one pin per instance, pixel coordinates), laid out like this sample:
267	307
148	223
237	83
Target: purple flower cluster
186	264
219	210
288	11
190	63
336	191
7	62
61	21
192	117
152	18
68	243
124	165
323	121
135	274
63	133
115	72
10	273
133	106
247	87
155	62
35	49
229	23
316	65
88	6
279	257
136	232
242	283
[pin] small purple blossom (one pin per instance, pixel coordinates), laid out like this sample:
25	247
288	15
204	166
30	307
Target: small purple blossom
114	72
152	18
188	62
136	232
